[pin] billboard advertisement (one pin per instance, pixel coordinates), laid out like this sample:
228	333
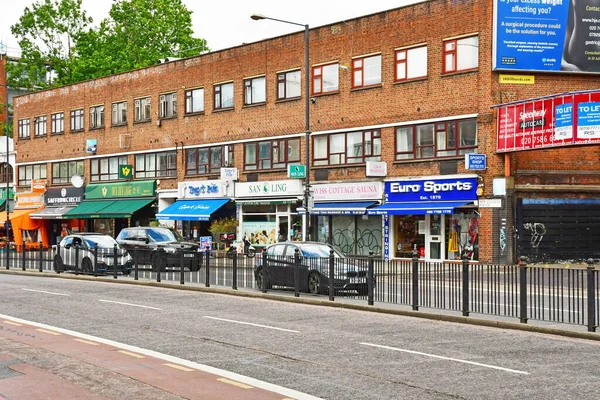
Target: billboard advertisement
560	120
547	35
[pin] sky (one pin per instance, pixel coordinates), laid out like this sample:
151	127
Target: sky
226	24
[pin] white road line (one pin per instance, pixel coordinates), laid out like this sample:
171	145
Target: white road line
43	291
514	371
249	323
176	360
129	304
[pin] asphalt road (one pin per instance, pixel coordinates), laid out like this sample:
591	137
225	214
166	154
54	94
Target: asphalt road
326	352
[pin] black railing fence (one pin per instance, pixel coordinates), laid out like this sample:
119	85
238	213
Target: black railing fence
555	294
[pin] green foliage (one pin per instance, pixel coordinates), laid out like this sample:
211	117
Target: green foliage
223	225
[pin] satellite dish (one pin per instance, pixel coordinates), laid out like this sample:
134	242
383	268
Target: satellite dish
77	181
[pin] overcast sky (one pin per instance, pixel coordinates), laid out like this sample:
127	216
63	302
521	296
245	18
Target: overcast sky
224	23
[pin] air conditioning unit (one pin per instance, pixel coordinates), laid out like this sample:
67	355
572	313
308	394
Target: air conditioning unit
125	141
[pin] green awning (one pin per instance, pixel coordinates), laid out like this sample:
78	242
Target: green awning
122	208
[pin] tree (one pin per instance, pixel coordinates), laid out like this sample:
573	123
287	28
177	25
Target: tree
223	225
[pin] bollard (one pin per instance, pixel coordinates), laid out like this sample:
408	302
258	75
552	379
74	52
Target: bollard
591	296
136	266
331	275
58	258
415	280
181	280
297	273
465	285
41	266
234	266
77	260
23	260
95	258
265	272
207	256
371	280
160	254
523	290
7	249
115	261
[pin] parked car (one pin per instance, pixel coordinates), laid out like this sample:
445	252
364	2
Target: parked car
237	246
147	243
87	252
314	268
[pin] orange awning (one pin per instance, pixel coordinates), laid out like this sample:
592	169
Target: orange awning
16	214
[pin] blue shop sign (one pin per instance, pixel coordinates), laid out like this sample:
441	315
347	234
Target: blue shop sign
475	161
454	189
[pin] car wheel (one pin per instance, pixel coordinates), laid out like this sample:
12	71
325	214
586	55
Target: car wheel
314	283
155	261
86	266
259	277
58	263
251	253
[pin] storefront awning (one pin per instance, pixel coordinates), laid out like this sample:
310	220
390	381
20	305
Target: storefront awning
16	214
122	208
191	210
417	208
51	212
341	208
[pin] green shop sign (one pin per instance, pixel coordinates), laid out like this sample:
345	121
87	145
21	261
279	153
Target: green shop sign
11	193
120	190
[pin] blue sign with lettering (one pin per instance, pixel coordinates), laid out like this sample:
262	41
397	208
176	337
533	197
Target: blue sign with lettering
475	161
206	243
452	189
588	120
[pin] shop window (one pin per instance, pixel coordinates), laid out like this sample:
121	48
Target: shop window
40	126
156	165
255	90
97	117
366	71
409	233
208	160
194	101
142	109
288	85
271	154
347	148
106	169
119	113
3	171
325	78
57	122
411	63
461	54
63	171
462	233
29	172
24	129
223	96
77	120
168	105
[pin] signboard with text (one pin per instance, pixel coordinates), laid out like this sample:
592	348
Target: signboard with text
450	189
475	161
120	190
296	171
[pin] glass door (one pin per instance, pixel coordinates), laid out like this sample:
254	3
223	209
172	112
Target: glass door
434	236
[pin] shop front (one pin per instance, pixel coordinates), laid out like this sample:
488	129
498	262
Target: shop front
267	211
110	207
58	202
436	217
26	232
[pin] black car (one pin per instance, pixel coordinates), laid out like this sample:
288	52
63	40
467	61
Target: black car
159	246
349	274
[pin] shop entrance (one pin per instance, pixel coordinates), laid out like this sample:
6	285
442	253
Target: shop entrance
434	237
283	227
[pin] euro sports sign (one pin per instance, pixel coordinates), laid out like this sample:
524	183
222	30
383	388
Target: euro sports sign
560	120
451	189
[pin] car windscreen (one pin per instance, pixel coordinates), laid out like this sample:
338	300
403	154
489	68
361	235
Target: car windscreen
162	235
317	250
104	242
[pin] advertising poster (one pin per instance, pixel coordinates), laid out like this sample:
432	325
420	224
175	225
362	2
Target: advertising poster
260	233
91	146
547	35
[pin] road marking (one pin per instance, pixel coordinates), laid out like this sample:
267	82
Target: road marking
179	367
47	331
12	323
249	323
43	291
447	358
87	342
291	393
234	383
129	304
131	354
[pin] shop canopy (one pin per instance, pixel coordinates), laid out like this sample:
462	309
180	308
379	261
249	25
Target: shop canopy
51	213
420	208
121	208
339	208
191	210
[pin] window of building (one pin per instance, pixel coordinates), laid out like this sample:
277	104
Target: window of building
57	122
3	167
271	154
41	126
411	63
288	85
142	109
106	169
347	148
194	101
441	139
97	117
325	78
119	113
64	170
366	71
461	54
223	95
156	165
168	105
255	91
208	160
29	172
77	120
24	129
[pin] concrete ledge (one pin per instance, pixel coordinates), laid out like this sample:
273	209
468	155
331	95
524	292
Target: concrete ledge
324	303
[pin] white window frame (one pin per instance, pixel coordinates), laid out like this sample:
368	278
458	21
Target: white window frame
77	120
194	101
168	105
119	113
97	117
255	90
142	109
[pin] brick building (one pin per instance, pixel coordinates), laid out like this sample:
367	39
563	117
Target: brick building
412	87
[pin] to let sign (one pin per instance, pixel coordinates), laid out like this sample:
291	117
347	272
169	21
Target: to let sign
475	161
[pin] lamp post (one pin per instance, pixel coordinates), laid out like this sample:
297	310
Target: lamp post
6	224
256	17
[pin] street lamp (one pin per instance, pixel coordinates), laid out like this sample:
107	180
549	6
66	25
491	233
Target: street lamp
6	224
256	17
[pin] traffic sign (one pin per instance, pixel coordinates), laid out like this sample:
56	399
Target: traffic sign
297	171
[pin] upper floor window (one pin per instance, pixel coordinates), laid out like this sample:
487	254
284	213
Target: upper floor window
24	132
223	95
97	117
77	120
194	101
155	165
441	139
366	71
255	91
119	113
347	148
41	126
325	78
411	63
29	172
288	85
142	109
208	160
3	171
461	54
58	123
64	170
106	169
168	105
271	154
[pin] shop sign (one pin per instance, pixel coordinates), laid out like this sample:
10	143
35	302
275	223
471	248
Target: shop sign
348	191
126	171
268	189
490	203
121	189
67	196
454	189
297	171
38	185
229	174
474	161
376	168
204	189
29	200
386	236
11	193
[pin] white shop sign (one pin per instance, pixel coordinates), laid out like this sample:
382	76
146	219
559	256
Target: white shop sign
290	187
190	190
490	203
351	191
376	168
